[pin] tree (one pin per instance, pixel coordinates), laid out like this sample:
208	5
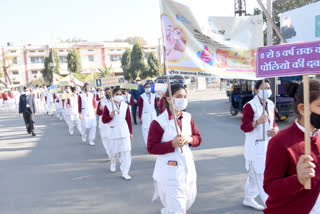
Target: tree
153	67
137	65
51	65
74	61
106	71
125	64
136	39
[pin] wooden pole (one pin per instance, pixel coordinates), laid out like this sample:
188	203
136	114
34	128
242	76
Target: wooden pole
170	95
263	112
307	145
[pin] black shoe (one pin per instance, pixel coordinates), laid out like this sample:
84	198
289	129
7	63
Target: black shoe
29	132
34	134
135	123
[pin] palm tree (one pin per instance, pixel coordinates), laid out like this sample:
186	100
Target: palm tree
106	71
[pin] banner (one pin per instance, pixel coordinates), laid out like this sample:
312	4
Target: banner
289	59
208	44
301	24
111	81
129	86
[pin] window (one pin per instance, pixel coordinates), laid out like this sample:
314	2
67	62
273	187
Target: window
15	72
68	51
32	51
90	50
37	60
34	72
15	60
63	59
91	58
40	51
13	51
115	58
118	49
111	49
35	76
60	51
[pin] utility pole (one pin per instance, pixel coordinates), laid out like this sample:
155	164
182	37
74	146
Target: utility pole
269	24
240	7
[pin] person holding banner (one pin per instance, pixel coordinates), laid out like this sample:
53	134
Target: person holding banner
174	173
256	141
287	168
103	128
147	110
72	112
119	133
87	114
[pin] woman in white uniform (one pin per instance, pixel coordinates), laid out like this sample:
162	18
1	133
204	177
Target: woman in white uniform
119	133
103	128
147	110
73	110
174	173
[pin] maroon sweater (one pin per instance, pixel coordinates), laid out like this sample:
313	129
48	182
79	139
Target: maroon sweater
155	135
286	194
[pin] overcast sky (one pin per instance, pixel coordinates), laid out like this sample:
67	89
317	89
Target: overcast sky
92	20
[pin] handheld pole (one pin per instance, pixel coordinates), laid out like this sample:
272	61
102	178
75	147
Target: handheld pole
307	145
171	103
263	113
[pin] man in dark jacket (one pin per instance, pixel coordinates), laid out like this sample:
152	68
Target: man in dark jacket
27	108
135	96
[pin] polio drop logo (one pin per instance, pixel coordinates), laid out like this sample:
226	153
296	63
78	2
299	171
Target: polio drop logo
206	56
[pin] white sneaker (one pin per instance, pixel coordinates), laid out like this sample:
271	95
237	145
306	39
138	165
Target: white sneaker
126	177
253	204
71	133
113	168
91	143
84	139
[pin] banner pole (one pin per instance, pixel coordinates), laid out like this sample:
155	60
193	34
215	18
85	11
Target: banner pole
306	100
170	95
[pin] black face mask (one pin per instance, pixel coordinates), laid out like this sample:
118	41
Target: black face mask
108	96
86	90
315	120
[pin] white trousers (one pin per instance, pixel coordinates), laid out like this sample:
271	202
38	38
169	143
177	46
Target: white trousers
91	124
176	199
49	108
254	185
124	159
6	105
45	106
1	103
72	121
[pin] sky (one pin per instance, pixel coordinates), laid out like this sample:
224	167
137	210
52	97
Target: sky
45	21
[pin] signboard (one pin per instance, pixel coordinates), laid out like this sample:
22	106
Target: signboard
129	86
63	83
294	28
162	87
111	81
202	84
289	59
197	43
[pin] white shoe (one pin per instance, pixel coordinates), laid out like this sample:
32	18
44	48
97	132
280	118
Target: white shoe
253	204
71	133
91	143
84	139
126	177
113	168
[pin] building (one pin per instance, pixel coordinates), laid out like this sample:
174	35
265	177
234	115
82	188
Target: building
25	63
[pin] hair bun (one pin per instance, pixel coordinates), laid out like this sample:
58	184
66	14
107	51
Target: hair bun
291	88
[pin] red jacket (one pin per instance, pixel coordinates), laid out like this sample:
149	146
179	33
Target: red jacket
286	194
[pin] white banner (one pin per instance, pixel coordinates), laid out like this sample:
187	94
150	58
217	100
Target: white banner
301	24
223	46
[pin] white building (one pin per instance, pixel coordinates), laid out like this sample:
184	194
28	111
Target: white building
26	62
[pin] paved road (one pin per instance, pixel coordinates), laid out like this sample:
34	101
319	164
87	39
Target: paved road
55	173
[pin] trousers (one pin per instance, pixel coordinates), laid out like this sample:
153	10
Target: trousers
134	112
124	159
73	120
28	120
91	124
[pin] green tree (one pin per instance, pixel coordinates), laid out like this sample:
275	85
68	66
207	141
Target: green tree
106	71
125	64
74	61
137	65
136	39
153	67
51	65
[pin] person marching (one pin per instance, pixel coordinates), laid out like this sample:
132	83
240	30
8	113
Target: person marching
174	173
58	102
72	111
1	100
127	98
27	108
135	95
87	114
16	99
117	116
49	102
255	149
103	128
287	168
45	99
147	110
6	101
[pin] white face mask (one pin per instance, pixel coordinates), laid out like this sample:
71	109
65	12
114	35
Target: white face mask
148	90
118	98
180	104
267	94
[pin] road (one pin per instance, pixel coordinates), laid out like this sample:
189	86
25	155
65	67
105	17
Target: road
55	173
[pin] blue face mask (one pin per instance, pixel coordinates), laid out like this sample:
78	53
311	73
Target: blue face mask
148	90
